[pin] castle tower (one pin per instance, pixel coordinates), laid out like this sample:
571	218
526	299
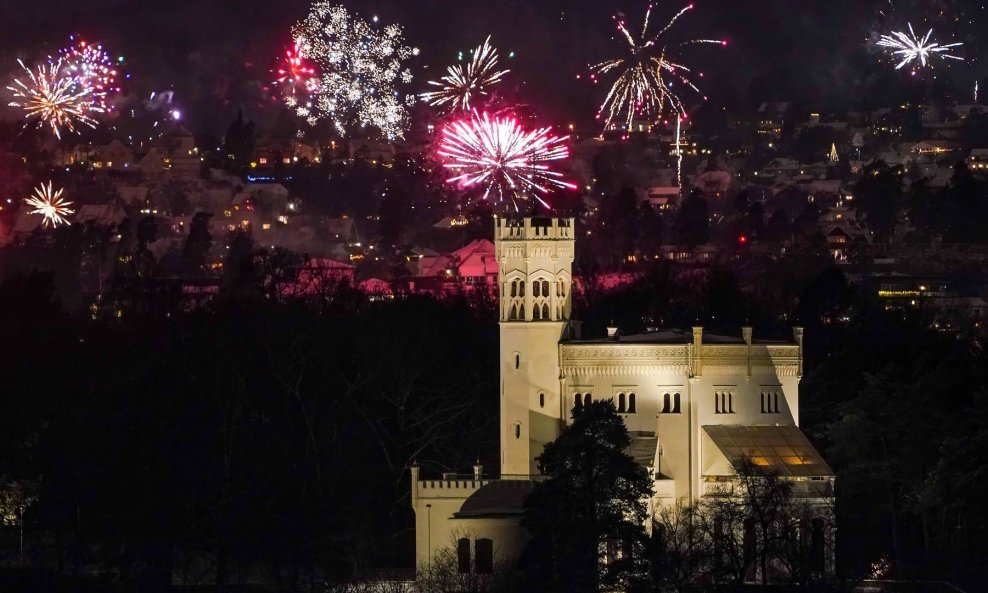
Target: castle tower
535	257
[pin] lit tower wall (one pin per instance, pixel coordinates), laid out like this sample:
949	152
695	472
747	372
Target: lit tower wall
535	258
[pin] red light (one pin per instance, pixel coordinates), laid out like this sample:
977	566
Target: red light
742	239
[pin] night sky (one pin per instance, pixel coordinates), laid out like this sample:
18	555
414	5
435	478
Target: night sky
217	54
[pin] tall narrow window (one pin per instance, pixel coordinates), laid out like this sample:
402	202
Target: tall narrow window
545	288
484	560
521	313
631	403
514	288
775	403
514	313
717	396
763	402
541	400
463	556
587	399
545	311
665	404
536	314
521	288
517	360
536	289
577	401
621	403
730	402
517	430
675	404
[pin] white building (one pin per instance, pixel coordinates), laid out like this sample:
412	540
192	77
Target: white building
696	404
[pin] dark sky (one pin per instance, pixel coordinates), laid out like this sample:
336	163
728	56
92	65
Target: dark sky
217	53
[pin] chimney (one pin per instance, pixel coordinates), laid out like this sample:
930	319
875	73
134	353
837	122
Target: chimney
415	482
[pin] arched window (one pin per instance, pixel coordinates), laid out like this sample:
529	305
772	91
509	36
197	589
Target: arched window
665	404
514	288
484	561
675	404
545	311
536	313
621	403
536	289
541	400
587	399
545	288
463	556
631	403
521	288
517	430
521	313
577	401
513	316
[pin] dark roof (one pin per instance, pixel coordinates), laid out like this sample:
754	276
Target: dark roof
499	498
782	449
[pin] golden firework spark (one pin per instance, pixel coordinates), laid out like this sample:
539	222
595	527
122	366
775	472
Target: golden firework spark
52	98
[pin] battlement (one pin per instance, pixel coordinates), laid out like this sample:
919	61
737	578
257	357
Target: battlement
529	228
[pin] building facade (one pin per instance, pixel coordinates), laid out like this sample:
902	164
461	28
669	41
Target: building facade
696	405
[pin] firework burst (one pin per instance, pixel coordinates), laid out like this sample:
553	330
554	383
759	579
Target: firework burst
648	71
360	69
910	48
499	155
52	97
461	85
91	67
49	203
298	81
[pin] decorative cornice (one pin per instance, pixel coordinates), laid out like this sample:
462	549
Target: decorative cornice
615	358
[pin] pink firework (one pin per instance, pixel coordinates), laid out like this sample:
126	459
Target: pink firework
508	161
298	80
92	68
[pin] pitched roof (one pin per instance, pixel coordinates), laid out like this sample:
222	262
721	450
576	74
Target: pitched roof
781	449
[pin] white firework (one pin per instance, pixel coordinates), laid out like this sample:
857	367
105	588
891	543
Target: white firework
461	85
360	69
49	203
911	48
